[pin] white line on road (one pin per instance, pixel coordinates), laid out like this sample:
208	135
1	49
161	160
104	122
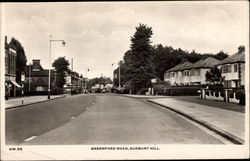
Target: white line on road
30	138
72	118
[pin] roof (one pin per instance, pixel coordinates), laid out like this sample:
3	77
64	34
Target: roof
41	73
238	57
206	63
180	66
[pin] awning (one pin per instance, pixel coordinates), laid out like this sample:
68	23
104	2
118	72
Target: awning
16	84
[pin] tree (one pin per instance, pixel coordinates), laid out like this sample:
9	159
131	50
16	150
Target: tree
221	55
214	75
140	56
21	59
61	65
166	58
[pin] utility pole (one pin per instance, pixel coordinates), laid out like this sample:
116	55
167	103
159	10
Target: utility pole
29	75
119	76
72	64
49	65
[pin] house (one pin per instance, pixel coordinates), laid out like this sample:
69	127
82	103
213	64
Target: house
10	70
36	78
233	69
190	73
199	69
177	74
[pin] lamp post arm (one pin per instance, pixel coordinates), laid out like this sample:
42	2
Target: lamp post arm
56	40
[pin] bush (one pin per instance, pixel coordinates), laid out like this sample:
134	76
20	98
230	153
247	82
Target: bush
142	91
216	94
215	86
240	95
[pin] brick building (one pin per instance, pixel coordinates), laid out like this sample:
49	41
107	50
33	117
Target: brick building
36	78
10	70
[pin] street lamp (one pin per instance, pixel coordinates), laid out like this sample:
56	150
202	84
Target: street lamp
119	76
22	80
50	41
29	76
86	81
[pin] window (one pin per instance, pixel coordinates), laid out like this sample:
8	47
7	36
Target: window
186	73
195	72
198	72
6	64
39	88
235	68
167	75
226	69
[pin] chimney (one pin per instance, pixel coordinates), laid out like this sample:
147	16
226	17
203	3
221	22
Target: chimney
241	49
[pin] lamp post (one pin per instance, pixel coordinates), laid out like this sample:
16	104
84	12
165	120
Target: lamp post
86	81
119	74
22	80
29	75
50	41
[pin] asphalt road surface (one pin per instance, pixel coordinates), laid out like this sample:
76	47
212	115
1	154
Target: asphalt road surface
100	119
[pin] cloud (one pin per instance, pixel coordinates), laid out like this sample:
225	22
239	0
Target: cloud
98	34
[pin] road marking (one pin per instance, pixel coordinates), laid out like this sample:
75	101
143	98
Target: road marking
72	118
30	138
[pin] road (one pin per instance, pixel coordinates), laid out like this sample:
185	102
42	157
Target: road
101	119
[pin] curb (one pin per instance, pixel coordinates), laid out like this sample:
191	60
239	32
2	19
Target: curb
144	97
217	130
34	103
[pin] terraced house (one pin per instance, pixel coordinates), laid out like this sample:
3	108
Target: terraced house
190	74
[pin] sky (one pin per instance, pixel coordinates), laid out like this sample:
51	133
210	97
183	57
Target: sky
97	34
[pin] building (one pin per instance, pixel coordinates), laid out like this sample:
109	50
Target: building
177	74
199	69
74	82
36	78
233	69
190	74
10	70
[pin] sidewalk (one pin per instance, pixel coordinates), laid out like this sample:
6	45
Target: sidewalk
230	124
145	96
17	102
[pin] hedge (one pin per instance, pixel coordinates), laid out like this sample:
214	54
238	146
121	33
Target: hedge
176	91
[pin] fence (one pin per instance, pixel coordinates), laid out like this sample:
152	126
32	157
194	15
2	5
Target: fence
234	95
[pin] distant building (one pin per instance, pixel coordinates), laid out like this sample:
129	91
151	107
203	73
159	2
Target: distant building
190	74
10	70
73	82
233	69
178	74
36	78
